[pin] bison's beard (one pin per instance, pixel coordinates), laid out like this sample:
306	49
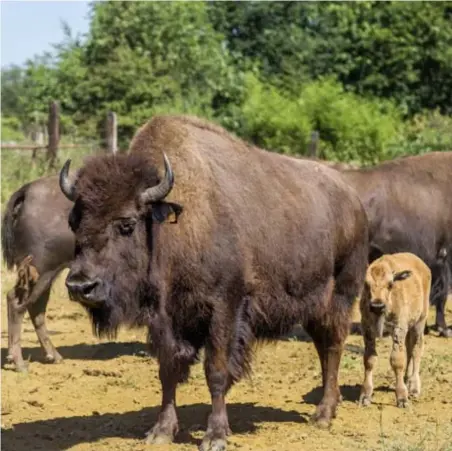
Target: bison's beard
131	308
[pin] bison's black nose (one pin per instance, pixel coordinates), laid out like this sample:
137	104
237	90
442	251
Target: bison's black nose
83	288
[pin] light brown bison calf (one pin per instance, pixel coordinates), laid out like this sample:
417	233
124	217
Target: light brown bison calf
396	297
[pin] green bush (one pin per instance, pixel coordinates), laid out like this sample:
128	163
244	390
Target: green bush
426	132
273	121
11	129
351	128
19	168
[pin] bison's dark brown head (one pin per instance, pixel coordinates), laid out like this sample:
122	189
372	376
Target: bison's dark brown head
119	203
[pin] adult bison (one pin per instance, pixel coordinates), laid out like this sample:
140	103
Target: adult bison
408	202
238	246
37	240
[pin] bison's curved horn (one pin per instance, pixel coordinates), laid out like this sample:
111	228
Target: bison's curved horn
159	192
66	186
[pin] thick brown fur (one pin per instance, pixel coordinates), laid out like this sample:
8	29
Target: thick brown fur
408	202
261	242
37	240
396	295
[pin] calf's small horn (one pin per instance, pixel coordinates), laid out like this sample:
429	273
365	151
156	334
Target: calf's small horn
66	186
159	192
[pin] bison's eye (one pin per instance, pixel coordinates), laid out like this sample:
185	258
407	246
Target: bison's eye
126	227
390	285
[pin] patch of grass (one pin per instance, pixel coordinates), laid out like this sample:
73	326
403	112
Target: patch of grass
422	445
351	361
18	167
425	440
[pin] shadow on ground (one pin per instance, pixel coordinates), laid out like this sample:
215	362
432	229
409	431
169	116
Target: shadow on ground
83	351
64	433
348	392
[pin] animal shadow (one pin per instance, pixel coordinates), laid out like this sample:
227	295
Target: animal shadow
349	393
83	351
64	433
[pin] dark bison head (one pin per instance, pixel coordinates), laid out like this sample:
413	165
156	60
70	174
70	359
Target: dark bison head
118	204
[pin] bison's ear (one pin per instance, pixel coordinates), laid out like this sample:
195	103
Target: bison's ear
402	275
166	212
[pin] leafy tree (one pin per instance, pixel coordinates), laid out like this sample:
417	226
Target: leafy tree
398	50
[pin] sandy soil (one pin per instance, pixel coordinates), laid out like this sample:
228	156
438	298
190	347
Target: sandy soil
106	395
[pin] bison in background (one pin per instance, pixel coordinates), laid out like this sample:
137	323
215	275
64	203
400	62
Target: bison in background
408	202
37	240
231	245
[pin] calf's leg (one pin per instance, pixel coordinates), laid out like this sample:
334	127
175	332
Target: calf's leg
417	344
370	360
15	317
398	361
37	312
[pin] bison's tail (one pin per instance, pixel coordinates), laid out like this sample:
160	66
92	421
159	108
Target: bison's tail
8	222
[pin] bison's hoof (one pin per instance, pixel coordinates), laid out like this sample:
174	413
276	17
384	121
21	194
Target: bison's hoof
9	359
322	417
161	434
21	367
402	403
414	389
158	438
447	333
53	358
365	400
212	444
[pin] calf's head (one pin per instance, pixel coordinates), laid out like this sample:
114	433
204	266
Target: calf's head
118	203
380	284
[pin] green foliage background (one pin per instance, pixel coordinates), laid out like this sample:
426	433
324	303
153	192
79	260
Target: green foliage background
374	78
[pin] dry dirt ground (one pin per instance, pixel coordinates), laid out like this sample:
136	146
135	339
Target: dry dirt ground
106	395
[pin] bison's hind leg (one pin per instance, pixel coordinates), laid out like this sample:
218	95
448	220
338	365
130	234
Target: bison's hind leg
330	330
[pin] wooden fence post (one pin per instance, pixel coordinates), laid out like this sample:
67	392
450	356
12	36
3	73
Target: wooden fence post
53	126
112	132
38	140
314	144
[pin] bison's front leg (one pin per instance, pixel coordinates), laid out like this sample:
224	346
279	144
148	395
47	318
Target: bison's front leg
218	381
167	426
